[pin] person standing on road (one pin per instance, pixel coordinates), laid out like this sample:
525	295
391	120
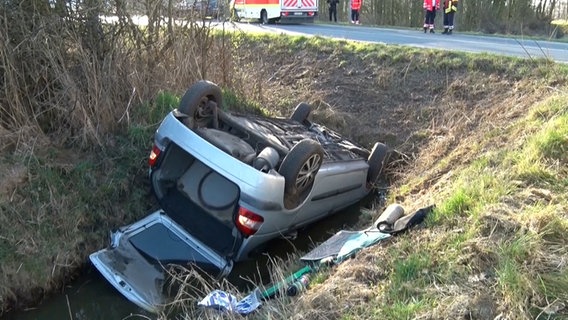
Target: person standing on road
355	10
450	7
332	9
430	6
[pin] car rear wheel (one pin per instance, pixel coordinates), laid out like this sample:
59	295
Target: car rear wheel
376	163
299	169
200	103
301	112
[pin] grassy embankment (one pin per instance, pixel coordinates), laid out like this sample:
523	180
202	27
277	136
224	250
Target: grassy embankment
493	156
77	125
78	110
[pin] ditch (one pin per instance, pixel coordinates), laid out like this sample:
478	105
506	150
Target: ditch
92	297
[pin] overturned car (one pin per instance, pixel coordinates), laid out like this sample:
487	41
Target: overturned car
227	184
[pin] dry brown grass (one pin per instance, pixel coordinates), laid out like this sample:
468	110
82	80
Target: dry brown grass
62	80
68	89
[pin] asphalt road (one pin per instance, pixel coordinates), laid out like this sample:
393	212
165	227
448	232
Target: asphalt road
519	47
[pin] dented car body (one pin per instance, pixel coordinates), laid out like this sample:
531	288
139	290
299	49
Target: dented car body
227	184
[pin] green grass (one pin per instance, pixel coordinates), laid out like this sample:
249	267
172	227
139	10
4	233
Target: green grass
552	141
479	185
402	310
488	178
553	285
513	285
164	103
63	205
546	150
526	257
409	269
234	103
153	111
519	247
557	105
459	204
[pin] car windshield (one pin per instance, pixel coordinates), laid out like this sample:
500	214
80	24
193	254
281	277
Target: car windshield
211	4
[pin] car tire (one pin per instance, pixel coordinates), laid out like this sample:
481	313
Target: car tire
200	103
299	169
263	17
376	162
301	112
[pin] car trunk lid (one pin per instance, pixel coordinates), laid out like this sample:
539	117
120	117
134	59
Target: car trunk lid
137	259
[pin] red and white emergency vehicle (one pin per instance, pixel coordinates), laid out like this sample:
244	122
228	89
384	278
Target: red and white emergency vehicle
276	10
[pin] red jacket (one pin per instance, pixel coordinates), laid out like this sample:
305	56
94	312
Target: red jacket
432	5
356	4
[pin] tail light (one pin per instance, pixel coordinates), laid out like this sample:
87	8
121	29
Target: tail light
311	14
285	14
248	222
154	155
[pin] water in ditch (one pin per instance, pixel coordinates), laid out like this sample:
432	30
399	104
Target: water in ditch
92	297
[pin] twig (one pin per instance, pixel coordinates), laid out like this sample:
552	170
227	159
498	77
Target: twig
525	49
54	265
126	112
406	71
137	315
546	55
69	308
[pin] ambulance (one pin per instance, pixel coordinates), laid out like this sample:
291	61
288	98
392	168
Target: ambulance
270	11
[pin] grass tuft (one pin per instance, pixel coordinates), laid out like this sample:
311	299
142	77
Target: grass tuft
457	205
552	141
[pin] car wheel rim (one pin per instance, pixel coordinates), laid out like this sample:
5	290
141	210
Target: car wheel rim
205	110
307	172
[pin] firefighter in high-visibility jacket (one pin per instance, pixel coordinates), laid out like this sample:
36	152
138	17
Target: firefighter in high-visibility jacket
450	7
355	10
430	6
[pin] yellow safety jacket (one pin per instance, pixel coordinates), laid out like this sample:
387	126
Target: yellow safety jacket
450	5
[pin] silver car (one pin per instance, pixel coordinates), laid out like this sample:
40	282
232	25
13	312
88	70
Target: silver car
227	184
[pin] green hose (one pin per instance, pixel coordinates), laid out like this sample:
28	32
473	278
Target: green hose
273	290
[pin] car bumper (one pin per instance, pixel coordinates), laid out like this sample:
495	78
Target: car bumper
260	190
297	17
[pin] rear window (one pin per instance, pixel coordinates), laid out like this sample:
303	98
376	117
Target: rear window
158	243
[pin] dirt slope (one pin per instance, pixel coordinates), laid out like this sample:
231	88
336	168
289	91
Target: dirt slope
409	101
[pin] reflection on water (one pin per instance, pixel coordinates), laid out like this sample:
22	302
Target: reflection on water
92	297
88	298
